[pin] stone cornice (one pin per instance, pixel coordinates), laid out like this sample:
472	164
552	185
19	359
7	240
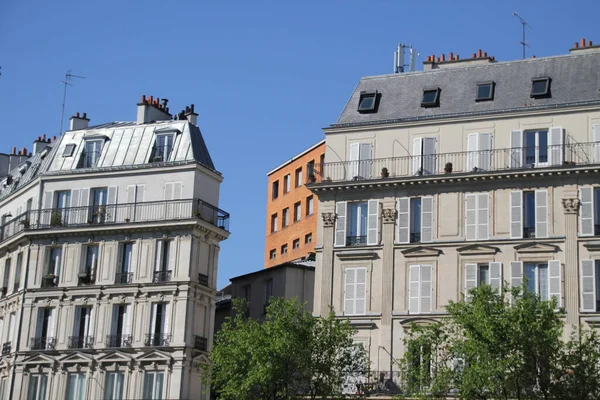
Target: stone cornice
421	251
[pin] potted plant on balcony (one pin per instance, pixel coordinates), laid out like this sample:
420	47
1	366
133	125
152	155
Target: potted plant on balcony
448	168
385	173
56	218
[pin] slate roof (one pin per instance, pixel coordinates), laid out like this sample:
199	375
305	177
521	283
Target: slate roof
575	80
32	168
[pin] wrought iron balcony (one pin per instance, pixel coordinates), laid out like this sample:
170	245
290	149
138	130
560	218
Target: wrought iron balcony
81	342
43	343
85	279
123	278
373	383
161	276
119	340
203	279
3	291
415	237
356	240
6	348
518	158
50	281
110	214
157	339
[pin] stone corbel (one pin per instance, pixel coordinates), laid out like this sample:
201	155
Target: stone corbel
328	219
388	215
571	206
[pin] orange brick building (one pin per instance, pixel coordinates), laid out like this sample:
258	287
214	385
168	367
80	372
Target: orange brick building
291	208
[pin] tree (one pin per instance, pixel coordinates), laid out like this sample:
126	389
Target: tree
289	355
492	348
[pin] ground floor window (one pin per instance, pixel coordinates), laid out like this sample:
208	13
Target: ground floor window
153	385
537	279
114	386
76	387
37	387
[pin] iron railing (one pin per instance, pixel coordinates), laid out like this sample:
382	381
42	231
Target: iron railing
3	291
49	281
517	158
203	279
157	339
43	343
6	348
150	211
356	240
123	278
161	276
81	342
200	343
88	159
415	237
119	340
373	383
529	232
85	279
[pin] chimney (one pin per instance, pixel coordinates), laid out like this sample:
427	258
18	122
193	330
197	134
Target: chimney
584	46
40	143
78	122
151	109
478	58
191	116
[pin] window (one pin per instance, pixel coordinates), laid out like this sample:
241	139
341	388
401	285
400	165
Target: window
88	270
158	326
163	146
69	150
357	223
308	238
18	272
310	208
124	274
7	346
284	249
590	285
367	102
420	289
114	386
355	291
297	211
76	386
62	199
153	385
543	279
424	156
419	357
361	161
296	244
274	223
120	328
298	176
483	274
44	331
477	216
589	216
310	171
431	98
164	262
415	219
52	267
6	277
485	91
286	217
82	331
272	254
91	153
479	147
37	387
286	183
537	279
540	87
537	147
529	214
275	190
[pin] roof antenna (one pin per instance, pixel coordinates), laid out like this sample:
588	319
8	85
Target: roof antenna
68	77
399	58
523	22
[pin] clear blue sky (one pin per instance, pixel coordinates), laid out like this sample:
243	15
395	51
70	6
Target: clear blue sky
265	76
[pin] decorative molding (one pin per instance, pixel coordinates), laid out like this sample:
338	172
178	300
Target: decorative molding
536	247
571	206
388	215
592	246
418	321
362	324
422	251
477	250
362	254
328	219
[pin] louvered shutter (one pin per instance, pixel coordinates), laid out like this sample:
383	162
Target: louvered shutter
413	289
51	322
516	214
349	291
48	200
429	158
516	274
496	276
340	223
139	193
555	281
483	216
427	219
127	320
84	197
373	222
541	213
361	291
484	151
586	217
131	194
168	191
426	289
172	253
177	191
404	220
354	157
417	154
153	313
471	216
74	198
588	285
470	278
516	148
11	327
556	146
164	323
111	203
365	162
472	147
596	138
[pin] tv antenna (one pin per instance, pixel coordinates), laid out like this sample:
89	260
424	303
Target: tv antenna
524	23
399	65
68	77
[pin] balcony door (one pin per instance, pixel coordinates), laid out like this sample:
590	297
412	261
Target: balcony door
82	330
120	327
158	325
44	334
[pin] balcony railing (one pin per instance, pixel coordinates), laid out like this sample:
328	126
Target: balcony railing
200	343
356	240
85	279
161	153
6	348
518	158
43	343
203	279
529	232
123	278
373	383
3	291
161	276
157	339
150	211
415	237
119	340
81	342
49	281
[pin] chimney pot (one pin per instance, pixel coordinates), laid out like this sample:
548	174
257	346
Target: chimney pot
77	114
479	53
443	57
576	45
485	54
474	55
143	98
589	43
532	56
53	138
451	56
582	42
84	115
14	150
150	99
44	136
39	139
457	58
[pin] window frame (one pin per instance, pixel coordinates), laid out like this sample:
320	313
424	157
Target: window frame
275	189
372	108
287	184
272	254
165	150
490	96
285	217
294	242
95	143
537	265
298	177
310	206
545	92
80	385
297	211
153	394
69	150
38	385
435	102
284	249
274	222
115	393
359	205
308	238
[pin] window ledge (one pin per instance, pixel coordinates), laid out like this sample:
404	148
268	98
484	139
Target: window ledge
362	323
362	254
593	245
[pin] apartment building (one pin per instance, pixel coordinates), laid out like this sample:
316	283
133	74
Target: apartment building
109	250
469	172
291	208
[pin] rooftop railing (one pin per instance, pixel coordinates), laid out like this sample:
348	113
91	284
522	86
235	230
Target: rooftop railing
518	158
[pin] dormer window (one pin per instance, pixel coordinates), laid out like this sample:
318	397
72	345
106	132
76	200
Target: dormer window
431	97
485	91
23	167
163	146
69	150
540	87
367	102
91	153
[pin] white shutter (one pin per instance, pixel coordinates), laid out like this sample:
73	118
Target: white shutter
172	252
131	194
484	151
413	289
139	193
84	197
555	280
516	145
404	220
112	195
153	311
426	289
588	285
361	291
516	214
349	291
340	223
373	222
11	327
177	191
429	159
48	199
164	323
51	318
586	217
417	154
472	147
516	274
483	216
365	161
470	278
596	138
541	213
111	203
74	198
471	216
354	157
427	219
496	276
556	146
168	191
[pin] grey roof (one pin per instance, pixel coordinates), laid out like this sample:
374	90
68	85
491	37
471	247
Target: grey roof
575	80
28	170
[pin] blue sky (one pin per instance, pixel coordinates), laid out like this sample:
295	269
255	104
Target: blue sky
265	76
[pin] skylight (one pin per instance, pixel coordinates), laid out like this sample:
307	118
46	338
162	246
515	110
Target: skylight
540	87
69	149
367	102
431	98
485	91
